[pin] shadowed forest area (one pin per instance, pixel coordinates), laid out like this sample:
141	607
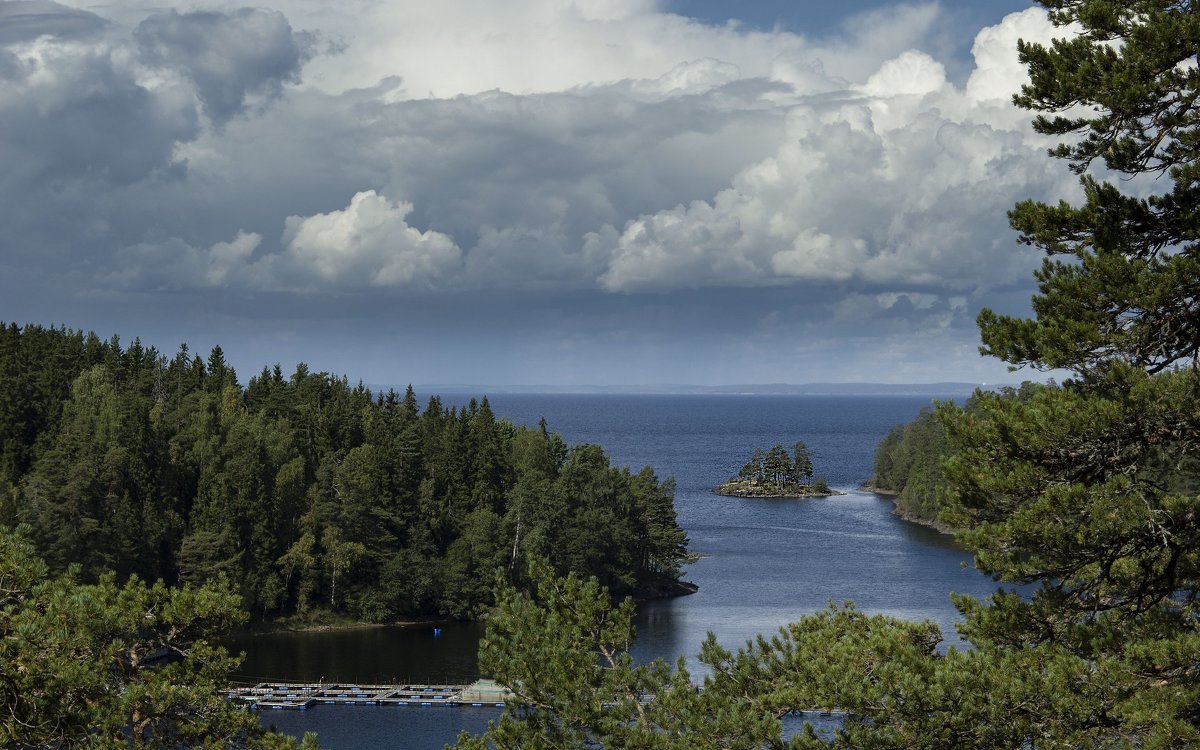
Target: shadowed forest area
308	492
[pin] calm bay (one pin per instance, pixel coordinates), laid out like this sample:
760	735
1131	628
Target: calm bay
763	562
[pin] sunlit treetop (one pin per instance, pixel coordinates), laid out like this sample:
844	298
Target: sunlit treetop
1120	86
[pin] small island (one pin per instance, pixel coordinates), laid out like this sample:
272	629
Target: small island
776	473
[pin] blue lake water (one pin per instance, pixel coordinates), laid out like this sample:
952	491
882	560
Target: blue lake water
765	562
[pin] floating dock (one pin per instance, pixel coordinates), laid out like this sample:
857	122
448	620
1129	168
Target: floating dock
299	696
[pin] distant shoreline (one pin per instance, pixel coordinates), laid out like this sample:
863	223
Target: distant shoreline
931	390
651	589
333	624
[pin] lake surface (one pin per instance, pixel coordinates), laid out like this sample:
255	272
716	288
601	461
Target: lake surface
765	562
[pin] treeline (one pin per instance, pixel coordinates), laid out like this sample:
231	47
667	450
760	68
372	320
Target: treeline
908	461
778	467
307	492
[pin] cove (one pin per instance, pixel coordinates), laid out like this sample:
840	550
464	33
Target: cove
764	562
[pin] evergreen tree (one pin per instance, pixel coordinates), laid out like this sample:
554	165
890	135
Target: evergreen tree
777	465
219	373
564	652
802	467
754	470
1092	490
111	666
662	545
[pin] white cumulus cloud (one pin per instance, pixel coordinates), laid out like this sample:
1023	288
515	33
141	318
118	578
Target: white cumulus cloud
902	182
368	243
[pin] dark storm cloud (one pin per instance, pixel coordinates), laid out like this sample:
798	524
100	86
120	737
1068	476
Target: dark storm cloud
89	110
30	19
79	115
227	56
87	114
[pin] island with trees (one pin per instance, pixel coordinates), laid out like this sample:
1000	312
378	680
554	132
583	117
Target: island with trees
777	473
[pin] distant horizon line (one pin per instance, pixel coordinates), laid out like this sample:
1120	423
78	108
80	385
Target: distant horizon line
940	388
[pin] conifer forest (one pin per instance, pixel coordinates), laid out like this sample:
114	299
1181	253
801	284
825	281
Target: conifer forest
310	493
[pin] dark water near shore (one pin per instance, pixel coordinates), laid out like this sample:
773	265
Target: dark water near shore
765	562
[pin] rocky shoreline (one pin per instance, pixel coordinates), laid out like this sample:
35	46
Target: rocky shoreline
664	588
750	489
928	523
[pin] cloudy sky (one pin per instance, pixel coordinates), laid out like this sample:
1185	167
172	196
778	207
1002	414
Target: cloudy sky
533	191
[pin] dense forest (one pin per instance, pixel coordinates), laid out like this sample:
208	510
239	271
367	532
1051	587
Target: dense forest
908	461
308	492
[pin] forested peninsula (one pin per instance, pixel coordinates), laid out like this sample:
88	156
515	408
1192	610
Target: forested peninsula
909	461
312	495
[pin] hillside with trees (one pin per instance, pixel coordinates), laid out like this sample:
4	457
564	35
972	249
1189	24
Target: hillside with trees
1087	494
312	494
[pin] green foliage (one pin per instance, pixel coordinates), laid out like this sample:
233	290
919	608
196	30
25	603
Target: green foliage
310	493
1091	490
102	665
802	465
564	653
908	464
908	461
777	468
1124	91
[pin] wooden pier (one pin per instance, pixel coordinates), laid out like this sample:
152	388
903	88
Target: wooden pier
298	696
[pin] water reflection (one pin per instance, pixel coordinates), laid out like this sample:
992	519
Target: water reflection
387	654
660	631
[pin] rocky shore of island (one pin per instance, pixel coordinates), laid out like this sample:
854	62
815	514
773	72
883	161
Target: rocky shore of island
746	488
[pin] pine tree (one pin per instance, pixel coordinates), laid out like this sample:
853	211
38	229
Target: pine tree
778	464
754	470
564	652
1091	490
103	665
802	468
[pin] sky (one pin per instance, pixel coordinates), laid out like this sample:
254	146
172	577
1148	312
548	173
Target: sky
564	192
